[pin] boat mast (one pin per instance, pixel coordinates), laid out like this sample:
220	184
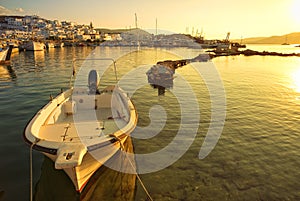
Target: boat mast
156	26
136	25
138	33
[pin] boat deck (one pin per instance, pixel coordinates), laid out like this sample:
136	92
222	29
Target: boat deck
102	114
85	124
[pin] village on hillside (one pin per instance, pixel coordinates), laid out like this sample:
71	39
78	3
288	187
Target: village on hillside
36	33
19	29
36	28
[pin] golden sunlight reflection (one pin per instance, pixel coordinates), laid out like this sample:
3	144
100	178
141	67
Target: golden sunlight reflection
296	80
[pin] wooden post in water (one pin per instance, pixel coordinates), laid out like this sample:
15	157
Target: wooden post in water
161	90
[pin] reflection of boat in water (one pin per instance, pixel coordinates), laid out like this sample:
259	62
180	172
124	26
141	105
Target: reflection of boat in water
7	72
82	128
5	54
39	56
34	46
105	184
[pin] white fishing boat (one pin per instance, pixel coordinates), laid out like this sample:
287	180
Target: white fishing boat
34	46
82	128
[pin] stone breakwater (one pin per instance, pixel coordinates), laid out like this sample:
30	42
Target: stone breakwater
266	53
249	52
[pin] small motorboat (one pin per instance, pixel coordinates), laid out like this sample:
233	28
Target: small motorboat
82	128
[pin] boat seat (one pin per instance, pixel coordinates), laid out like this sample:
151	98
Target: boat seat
70	107
104	100
70	155
84	102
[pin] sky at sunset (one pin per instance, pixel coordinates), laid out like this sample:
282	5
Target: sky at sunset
243	18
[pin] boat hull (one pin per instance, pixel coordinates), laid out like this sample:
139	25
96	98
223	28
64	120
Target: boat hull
34	46
91	162
105	183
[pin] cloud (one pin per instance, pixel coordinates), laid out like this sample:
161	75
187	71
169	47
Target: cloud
6	11
20	10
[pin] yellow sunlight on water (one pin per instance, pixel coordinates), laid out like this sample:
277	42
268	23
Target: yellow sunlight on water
296	81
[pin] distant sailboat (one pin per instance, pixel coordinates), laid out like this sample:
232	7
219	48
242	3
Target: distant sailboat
285	43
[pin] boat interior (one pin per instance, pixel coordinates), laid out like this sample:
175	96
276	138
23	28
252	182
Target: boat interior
87	115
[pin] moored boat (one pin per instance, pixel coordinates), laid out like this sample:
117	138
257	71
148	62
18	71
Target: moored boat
34	46
82	128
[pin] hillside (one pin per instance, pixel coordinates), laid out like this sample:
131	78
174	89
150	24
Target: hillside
114	31
292	38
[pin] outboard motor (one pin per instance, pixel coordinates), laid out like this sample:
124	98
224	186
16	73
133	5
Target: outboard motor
93	82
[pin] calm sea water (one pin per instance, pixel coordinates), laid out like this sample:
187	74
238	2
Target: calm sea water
256	158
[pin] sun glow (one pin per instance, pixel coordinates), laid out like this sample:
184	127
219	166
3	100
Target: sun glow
296	81
295	11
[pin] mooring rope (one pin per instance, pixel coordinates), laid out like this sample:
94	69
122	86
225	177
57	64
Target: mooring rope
133	167
30	174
